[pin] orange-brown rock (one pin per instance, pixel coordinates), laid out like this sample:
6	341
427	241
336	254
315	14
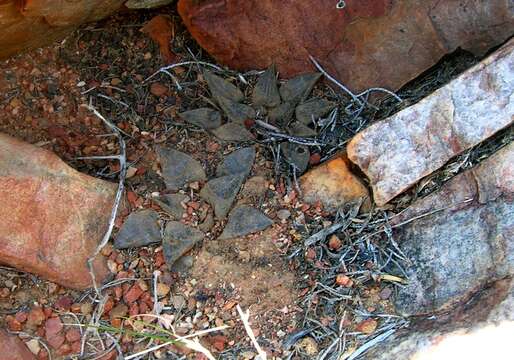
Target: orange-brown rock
333	184
160	30
51	217
26	24
367	43
12	348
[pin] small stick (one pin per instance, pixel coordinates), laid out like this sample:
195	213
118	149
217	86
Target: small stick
244	318
172	66
334	80
123	172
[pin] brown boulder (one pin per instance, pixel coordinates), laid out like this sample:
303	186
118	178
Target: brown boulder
368	43
333	184
12	348
34	23
52	217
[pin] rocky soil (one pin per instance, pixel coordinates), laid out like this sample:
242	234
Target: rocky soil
239	193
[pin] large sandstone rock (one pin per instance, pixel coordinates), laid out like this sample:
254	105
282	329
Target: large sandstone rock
455	252
461	286
12	348
480	330
52	217
399	151
34	23
368	43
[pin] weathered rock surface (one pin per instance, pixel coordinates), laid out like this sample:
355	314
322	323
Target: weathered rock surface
221	193
178	168
456	252
237	162
233	131
173	204
141	228
368	43
52	217
178	240
399	151
34	23
12	348
244	220
488	319
204	117
334	185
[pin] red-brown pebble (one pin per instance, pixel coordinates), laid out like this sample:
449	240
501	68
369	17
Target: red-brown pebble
73	335
36	316
76	347
42	355
334	243
55	341
53	326
13	324
132	294
314	159
21	316
65	349
64	303
158	89
343	280
367	326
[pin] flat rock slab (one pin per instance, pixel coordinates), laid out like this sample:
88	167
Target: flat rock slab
456	252
365	44
178	240
141	228
179	169
334	185
399	151
244	220
52	217
221	193
237	162
12	348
